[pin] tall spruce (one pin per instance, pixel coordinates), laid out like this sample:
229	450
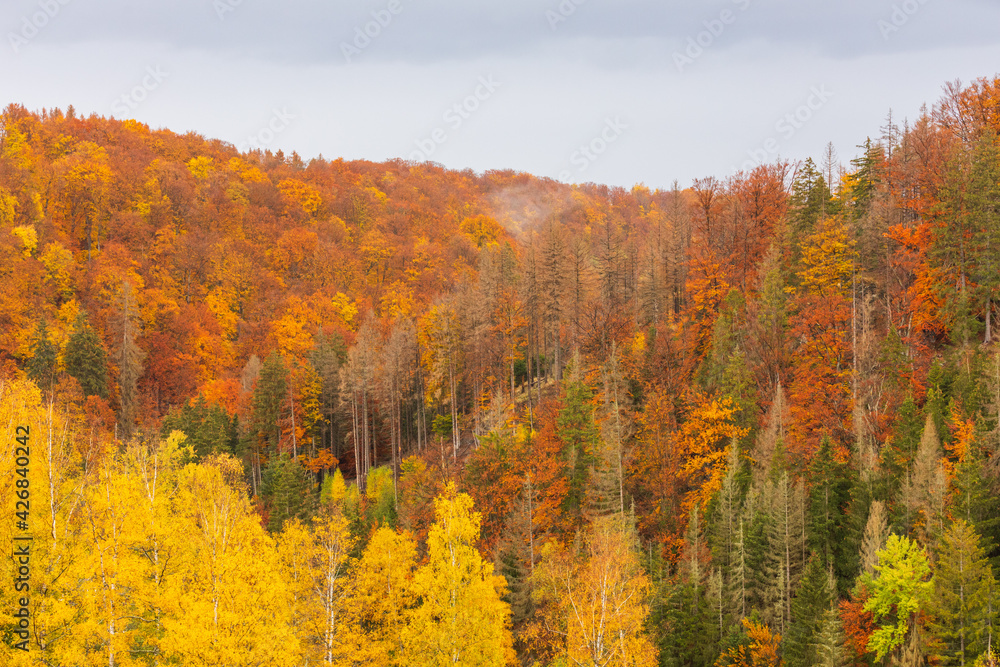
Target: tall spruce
86	359
964	604
812	601
43	364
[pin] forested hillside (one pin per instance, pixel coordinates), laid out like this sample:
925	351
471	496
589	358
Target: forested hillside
350	413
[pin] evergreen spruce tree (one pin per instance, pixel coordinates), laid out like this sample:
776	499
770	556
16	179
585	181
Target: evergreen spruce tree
326	358
810	199
829	645
208	428
287	491
43	363
270	396
813	599
727	509
785	549
976	502
86	359
689	616
580	438
829	493
964	602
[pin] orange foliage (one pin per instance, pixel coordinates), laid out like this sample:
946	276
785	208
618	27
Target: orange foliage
548	471
858	626
762	650
820	391
324	460
702	442
224	393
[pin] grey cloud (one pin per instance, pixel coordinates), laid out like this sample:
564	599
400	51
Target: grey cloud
312	31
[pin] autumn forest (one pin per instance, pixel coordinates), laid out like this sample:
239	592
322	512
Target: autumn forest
259	410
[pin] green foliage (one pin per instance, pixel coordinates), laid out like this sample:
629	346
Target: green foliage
900	590
965	245
965	596
442	426
686	620
580	436
809	616
326	358
810	198
86	359
270	400
976	501
337	496
208	428
287	492
863	181
43	363
830	535
380	495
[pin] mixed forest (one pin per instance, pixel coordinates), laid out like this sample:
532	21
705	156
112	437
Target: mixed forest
328	412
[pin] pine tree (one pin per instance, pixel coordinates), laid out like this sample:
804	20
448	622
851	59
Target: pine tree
829	644
86	359
861	184
828	494
287	490
327	355
810	607
786	547
42	366
770	440
580	437
208	428
809	199
976	502
606	487
739	578
267	405
688	614
964	602
728	506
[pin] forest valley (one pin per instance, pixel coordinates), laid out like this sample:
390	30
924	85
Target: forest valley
355	413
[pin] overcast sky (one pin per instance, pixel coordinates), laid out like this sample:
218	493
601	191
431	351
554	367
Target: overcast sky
617	92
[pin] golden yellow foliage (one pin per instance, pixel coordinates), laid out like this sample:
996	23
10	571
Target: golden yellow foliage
462	618
828	257
602	598
703	440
